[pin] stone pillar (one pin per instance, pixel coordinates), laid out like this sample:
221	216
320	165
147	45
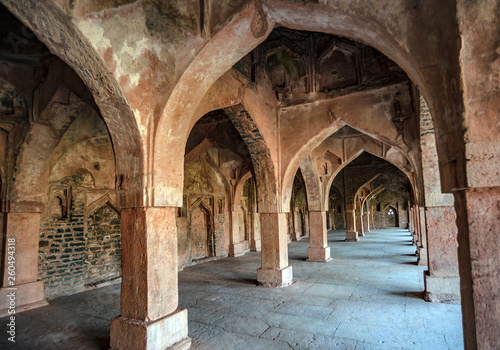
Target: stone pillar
478	214
416	223
410	220
319	251
332	220
150	318
442	283
255	243
22	237
477	206
296	229
275	271
359	223
366	221
371	221
350	220
236	248
422	242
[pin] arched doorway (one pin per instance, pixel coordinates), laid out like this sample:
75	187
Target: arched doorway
391	217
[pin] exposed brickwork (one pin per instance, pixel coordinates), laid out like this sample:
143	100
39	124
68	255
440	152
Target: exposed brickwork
426	123
69	258
61	253
103	246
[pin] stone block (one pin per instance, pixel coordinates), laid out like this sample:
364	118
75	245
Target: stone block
169	332
351	236
237	249
274	277
255	245
28	296
315	254
442	289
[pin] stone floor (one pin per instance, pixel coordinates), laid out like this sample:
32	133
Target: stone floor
368	297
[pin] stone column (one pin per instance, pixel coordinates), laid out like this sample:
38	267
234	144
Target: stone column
477	204
359	223
366	221
422	242
22	237
319	251
411	225
236	248
416	223
296	228
332	220
275	271
350	220
255	243
150	318
442	283
371	221
478	214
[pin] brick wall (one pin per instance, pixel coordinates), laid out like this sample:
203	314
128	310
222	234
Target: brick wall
70	259
61	253
103	246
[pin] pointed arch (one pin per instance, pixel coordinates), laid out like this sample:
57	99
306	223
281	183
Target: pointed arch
60	35
263	166
239	188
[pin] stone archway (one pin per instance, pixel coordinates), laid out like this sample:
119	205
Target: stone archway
391	216
65	41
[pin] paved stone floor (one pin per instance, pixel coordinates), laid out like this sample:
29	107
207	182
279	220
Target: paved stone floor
367	297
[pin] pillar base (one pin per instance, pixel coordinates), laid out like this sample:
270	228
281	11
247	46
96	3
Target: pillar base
361	234
422	257
439	289
28	296
238	249
318	254
169	332
351	237
255	246
275	278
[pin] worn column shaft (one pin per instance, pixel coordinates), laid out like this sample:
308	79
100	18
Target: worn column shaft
149	294
275	271
319	251
350	220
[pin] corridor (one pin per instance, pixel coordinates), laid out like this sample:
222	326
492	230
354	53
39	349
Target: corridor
368	297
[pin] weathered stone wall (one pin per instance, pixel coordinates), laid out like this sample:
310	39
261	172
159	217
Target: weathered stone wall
337	209
203	227
381	205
